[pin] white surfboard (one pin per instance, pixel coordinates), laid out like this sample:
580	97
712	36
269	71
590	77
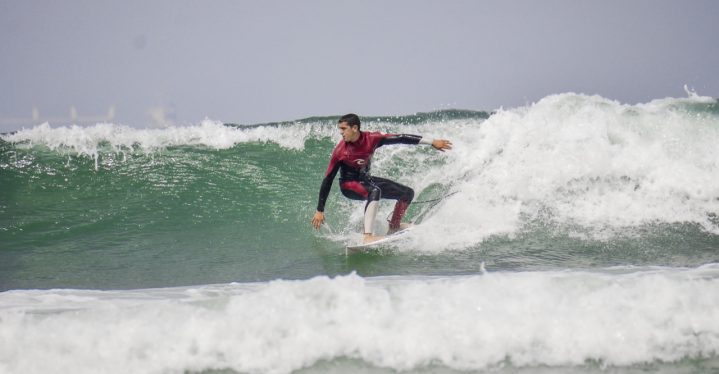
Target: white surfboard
378	243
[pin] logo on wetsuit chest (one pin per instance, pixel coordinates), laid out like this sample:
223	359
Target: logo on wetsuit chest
360	161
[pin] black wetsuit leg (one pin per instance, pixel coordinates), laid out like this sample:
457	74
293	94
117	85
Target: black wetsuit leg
375	188
392	190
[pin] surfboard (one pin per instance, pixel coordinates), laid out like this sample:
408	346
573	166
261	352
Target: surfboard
378	243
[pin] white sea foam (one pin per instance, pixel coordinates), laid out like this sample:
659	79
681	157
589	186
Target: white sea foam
88	140
618	316
572	161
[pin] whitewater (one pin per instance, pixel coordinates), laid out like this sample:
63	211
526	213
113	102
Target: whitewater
616	317
574	234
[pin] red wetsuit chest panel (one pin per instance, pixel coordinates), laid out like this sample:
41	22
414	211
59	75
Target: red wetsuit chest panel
357	154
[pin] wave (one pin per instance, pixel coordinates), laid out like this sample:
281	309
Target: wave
584	166
615	317
584	163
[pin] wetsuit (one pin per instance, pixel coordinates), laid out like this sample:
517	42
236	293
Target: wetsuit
352	160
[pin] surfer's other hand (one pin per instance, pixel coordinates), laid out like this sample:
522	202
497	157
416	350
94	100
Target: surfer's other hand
318	220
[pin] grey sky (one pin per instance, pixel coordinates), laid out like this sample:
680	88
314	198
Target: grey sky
260	61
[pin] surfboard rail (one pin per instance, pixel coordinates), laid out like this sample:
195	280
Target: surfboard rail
377	243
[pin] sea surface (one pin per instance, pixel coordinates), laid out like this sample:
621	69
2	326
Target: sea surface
576	234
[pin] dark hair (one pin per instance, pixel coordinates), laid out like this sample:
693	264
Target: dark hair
351	119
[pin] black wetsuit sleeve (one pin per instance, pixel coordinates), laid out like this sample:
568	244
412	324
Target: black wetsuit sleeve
400	139
326	186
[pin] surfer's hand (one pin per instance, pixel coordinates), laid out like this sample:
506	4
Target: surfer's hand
441	144
318	220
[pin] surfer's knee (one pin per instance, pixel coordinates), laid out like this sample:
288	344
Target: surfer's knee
374	194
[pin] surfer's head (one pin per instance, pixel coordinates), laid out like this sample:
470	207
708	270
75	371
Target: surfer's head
350	119
349	126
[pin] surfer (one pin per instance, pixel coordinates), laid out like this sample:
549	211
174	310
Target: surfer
351	157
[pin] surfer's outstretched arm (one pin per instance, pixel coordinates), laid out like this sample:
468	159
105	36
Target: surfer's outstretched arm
438	144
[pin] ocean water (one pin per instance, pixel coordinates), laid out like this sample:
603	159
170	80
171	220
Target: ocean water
575	234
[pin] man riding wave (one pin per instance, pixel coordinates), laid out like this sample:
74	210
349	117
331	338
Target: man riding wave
352	157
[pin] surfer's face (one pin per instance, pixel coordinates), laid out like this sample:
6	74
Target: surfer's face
349	133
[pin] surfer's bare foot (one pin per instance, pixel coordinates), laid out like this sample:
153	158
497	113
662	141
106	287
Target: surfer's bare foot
402	226
369	238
